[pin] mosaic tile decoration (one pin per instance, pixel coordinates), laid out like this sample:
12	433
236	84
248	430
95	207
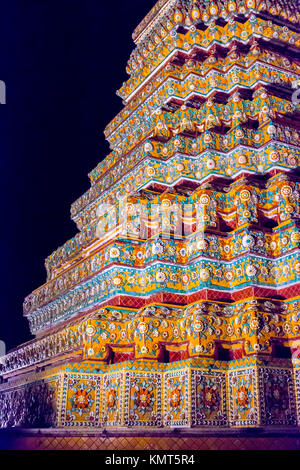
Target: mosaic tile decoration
176	305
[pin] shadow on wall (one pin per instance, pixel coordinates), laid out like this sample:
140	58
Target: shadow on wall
30	406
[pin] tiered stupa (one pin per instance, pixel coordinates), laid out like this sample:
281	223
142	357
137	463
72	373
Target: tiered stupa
177	303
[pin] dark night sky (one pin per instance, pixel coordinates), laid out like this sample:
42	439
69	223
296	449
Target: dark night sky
62	61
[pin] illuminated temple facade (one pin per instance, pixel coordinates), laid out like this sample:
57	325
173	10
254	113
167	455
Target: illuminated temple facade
177	303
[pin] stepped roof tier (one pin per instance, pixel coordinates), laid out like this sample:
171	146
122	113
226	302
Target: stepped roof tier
177	302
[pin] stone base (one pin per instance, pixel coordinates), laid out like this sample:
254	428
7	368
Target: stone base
169	441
